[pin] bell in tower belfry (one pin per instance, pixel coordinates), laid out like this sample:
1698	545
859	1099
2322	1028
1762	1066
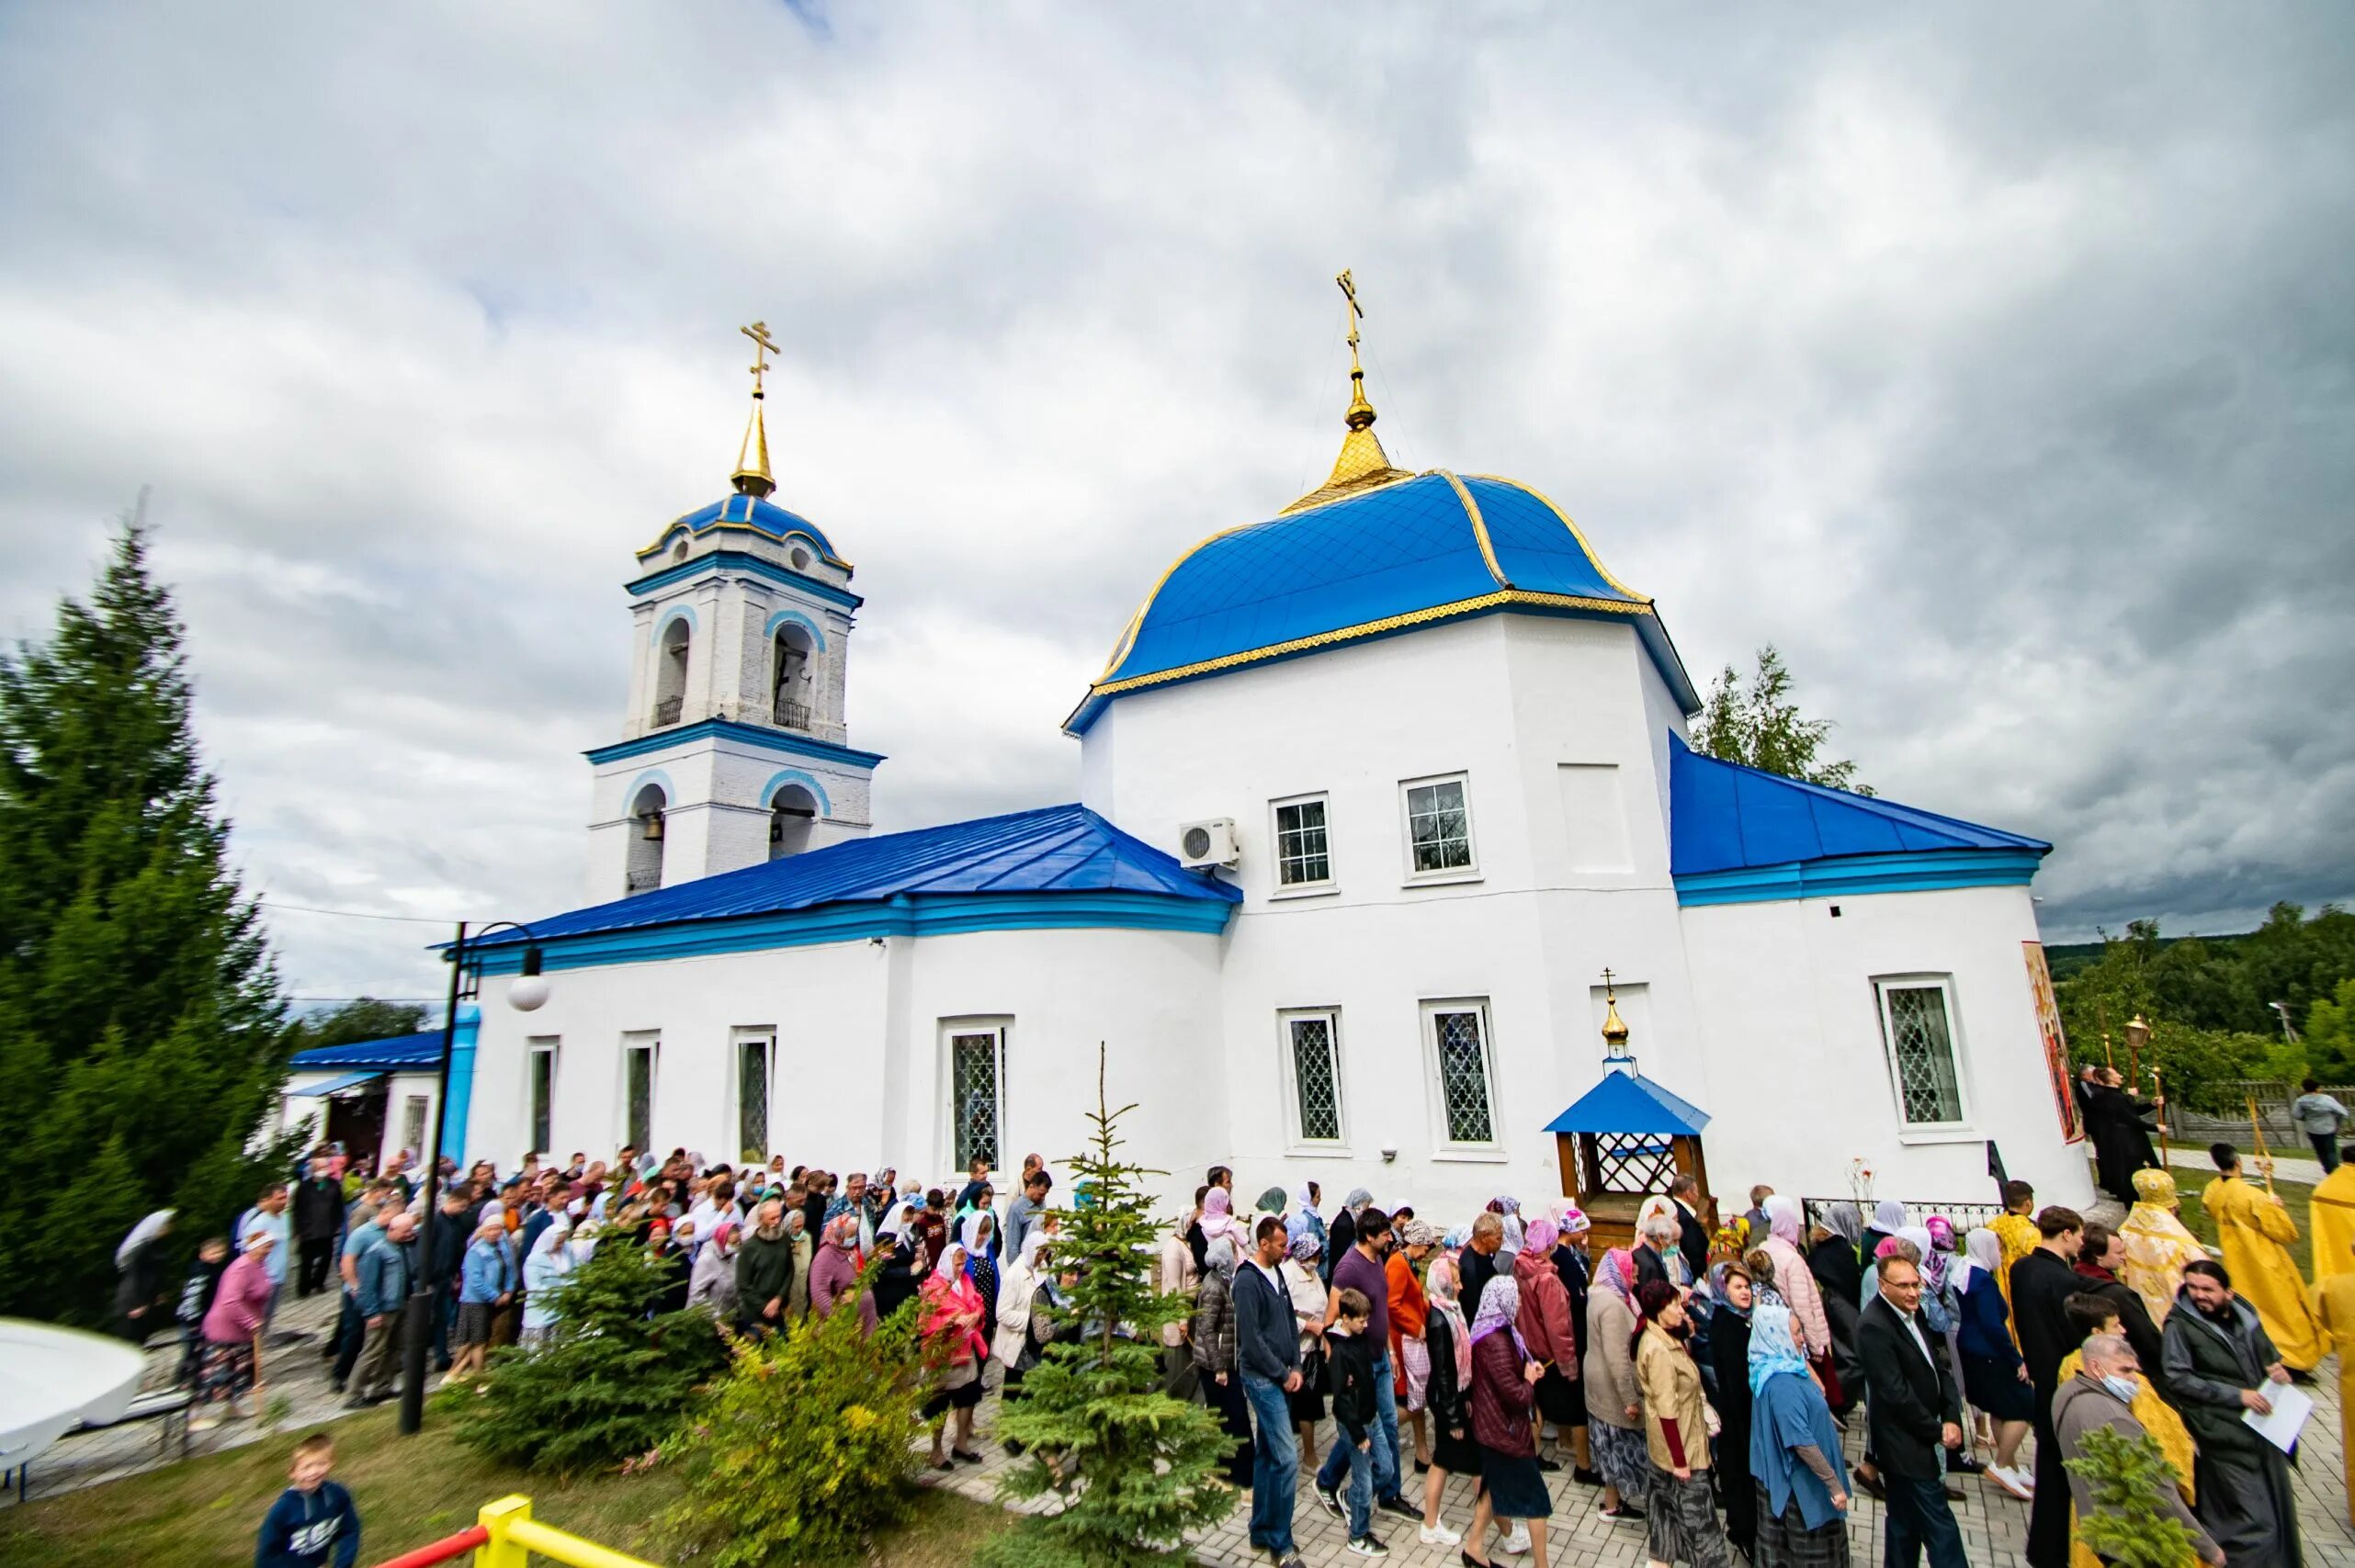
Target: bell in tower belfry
735	746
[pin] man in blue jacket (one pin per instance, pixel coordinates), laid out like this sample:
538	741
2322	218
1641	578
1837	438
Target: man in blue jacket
313	1519
1267	1352
384	1274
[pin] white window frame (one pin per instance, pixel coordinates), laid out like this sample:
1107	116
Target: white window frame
1443	1146
1305	888
1961	1129
651	1042
738	1038
535	1047
422	1104
1470	871
1288	1068
998	1024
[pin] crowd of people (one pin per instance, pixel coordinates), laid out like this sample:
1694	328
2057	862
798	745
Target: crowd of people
1696	1383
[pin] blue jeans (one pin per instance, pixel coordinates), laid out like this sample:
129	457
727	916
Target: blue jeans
1917	1517
1385	1433
1361	1479
1276	1466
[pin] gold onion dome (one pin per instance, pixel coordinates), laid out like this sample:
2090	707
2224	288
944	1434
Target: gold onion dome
1614	1028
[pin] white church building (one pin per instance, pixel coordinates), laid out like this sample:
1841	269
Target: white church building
1372	793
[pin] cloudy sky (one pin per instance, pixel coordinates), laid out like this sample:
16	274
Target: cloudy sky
1996	365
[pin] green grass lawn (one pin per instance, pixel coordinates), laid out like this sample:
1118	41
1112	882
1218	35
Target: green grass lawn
2293	1195
204	1514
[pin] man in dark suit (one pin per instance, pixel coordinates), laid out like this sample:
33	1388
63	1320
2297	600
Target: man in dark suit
1692	1239
1914	1411
2041	1284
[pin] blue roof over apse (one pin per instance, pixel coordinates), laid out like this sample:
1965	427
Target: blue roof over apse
1724	816
751	511
1629	1102
1052	850
1381	560
401	1051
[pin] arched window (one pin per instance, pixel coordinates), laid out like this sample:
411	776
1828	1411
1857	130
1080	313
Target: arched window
791	678
671	671
646	841
792	812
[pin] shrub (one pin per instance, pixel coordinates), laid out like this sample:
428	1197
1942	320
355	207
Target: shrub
2128	1527
805	1446
614	1382
1134	1469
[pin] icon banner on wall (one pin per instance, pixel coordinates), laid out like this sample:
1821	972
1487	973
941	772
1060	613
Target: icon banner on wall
2057	1045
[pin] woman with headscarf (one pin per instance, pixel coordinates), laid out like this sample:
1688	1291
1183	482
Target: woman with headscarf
1011	1343
1995	1380
146	1283
896	1281
1729	1326
955	1349
545	1268
1793	1281
1410	1359
232	1329
1571	1267
1507	1209
1839	1274
1503	1405
1218	1221
1214	1354
1682	1523
1178	1275
1342	1234
1303	1279
979	1235
1543	1322
1447	1396
834	1271
1888	1219
1800	1491
1614	1406
712	1281
1305	1220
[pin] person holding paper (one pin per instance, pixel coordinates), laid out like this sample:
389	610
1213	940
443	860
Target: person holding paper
2335	1305
2221	1366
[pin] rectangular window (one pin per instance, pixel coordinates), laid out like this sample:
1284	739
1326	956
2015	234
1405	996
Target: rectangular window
1312	1041
638	1052
1457	1034
1917	1027
753	1055
976	1100
413	1125
1439	826
1301	856
541	1056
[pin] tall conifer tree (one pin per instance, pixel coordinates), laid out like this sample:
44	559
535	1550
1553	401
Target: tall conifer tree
141	1037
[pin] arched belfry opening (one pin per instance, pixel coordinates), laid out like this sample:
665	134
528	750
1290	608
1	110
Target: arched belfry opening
646	841
793	678
671	671
793	811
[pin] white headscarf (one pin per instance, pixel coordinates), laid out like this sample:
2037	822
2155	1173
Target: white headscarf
147	1230
968	1235
954	1252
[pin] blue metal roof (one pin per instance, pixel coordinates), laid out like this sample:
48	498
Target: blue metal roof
1724	817
747	511
1055	850
336	1084
1399	555
1629	1102
401	1051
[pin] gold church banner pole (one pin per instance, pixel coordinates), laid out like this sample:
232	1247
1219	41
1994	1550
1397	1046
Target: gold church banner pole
2264	1160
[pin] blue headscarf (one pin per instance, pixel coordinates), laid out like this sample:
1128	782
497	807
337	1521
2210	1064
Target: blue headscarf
1771	1350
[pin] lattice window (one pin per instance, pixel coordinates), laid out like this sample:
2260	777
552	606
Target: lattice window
753	1100
1439	826
1466	1104
1634	1162
1915	1021
1302	858
1316	1077
638	1130
973	1096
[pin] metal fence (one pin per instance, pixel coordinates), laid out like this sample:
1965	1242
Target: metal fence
2186	1125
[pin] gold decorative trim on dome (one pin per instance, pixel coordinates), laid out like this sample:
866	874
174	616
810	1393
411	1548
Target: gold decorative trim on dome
1503	598
1600	571
1480	527
1363	465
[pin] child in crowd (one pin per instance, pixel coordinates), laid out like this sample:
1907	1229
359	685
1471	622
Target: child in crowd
313	1519
1351	1360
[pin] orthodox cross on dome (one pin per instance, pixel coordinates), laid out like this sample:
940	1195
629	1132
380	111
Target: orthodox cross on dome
1360	413
1361	463
751	476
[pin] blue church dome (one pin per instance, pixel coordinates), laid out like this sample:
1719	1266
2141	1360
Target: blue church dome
1390	552
746	512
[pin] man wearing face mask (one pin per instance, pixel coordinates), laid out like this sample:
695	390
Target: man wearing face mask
2102	1395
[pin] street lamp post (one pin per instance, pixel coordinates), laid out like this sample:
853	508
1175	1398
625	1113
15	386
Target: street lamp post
526	995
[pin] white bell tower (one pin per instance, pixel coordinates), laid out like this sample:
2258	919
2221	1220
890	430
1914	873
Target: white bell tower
734	750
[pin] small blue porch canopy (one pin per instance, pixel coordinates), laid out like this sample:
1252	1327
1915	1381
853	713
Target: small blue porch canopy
1629	1104
336	1085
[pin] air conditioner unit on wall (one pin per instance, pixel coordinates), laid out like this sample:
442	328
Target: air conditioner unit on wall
1208	843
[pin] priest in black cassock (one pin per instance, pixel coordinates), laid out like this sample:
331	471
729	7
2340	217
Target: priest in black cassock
2120	1125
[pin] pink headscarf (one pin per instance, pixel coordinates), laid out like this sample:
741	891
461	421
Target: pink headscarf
1540	1238
1218	1219
1444	1286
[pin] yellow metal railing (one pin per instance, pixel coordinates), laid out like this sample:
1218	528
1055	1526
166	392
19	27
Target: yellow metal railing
515	1535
